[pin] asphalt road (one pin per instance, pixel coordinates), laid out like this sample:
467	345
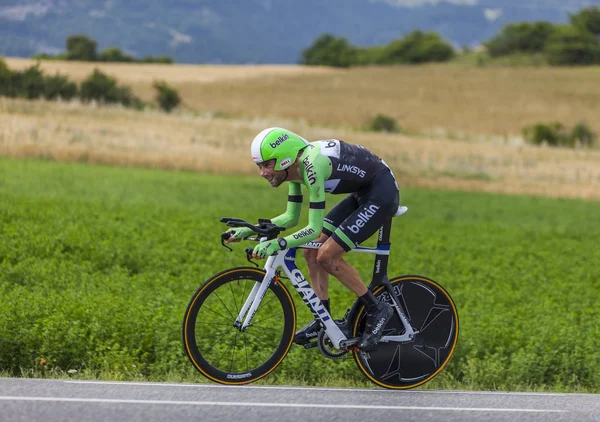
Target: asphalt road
62	400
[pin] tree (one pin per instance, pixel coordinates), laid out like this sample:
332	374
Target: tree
167	97
571	45
587	19
59	86
81	47
416	47
100	87
328	50
521	37
114	54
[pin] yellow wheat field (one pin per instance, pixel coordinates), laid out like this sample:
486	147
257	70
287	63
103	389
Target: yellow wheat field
114	135
145	74
442	100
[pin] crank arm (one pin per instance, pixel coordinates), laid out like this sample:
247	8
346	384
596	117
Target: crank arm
348	343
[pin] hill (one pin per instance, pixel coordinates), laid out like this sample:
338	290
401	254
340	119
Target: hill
255	31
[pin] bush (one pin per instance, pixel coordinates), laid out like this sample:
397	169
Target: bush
328	50
43	56
5	78
158	59
555	134
29	83
114	54
59	86
551	133
416	47
383	123
167	97
582	134
521	37
569	45
102	88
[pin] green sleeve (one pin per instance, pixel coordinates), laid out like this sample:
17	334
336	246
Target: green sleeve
292	214
316	168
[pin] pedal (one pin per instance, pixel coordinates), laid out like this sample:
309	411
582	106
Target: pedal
310	345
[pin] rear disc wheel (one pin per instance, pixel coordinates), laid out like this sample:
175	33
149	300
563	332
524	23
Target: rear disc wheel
431	311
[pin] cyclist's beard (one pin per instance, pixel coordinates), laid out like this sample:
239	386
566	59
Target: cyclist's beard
278	178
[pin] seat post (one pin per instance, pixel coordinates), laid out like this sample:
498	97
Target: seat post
384	233
381	261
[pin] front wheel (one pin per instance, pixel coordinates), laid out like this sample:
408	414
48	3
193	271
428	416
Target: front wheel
430	311
219	349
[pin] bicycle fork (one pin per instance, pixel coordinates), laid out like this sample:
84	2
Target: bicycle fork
253	301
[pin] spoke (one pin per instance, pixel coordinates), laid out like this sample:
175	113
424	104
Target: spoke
223	303
215	324
219	360
245	350
269	317
233	354
266	328
233	296
267	302
260	351
216	313
216	342
243	298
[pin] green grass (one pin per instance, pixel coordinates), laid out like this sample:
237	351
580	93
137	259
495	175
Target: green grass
97	265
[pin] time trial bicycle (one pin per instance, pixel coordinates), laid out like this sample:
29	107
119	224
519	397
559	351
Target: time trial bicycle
240	324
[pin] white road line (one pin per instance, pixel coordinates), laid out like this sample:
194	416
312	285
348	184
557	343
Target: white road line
258	404
372	390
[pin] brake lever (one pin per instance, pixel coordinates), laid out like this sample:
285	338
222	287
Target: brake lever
224	237
249	255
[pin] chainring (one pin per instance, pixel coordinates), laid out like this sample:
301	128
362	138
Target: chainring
327	348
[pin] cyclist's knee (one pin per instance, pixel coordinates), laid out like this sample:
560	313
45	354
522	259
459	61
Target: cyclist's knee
311	254
330	256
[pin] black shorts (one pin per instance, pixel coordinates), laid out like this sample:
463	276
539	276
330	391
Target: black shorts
358	216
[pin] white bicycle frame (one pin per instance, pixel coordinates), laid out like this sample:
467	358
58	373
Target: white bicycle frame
286	260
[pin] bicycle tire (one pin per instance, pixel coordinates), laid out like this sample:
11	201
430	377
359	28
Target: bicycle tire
214	307
430	310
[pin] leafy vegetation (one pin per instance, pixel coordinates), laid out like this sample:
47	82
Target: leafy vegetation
416	47
102	88
31	83
556	134
521	37
83	48
382	123
167	97
97	265
574	44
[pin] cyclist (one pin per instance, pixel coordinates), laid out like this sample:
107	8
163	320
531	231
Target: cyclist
335	167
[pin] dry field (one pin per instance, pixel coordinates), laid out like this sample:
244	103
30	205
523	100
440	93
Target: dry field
142	76
448	101
113	135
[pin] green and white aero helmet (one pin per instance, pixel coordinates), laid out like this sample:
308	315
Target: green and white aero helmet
277	143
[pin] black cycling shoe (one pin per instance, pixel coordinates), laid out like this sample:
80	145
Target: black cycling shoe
309	332
374	326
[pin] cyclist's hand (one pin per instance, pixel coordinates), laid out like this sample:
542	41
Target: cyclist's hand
235	235
265	249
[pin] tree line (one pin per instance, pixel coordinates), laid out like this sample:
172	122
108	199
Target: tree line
577	43
84	48
31	83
